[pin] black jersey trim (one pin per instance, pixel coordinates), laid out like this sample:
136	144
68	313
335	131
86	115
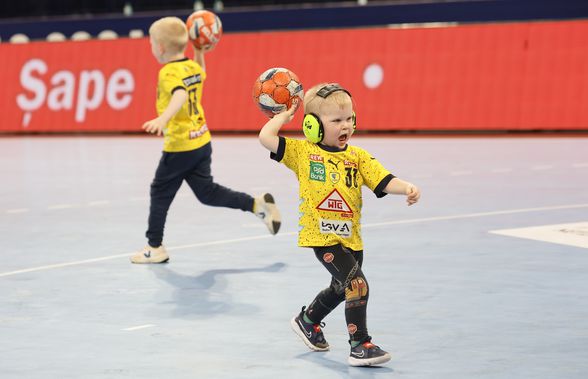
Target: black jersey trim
379	190
279	155
177	88
180	60
332	149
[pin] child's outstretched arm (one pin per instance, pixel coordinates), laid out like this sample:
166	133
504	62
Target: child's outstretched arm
199	57
268	136
400	187
156	125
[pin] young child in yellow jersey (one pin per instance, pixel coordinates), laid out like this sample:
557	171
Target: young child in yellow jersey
186	148
331	173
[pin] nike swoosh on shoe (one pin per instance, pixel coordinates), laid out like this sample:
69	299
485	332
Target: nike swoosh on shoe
309	334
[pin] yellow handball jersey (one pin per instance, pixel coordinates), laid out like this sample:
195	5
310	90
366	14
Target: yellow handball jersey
187	129
330	182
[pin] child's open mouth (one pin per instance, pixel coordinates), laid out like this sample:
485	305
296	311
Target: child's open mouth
343	138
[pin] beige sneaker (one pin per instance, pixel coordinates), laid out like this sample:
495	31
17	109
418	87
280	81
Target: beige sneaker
150	255
265	208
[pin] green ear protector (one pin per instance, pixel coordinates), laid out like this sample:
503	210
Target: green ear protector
311	125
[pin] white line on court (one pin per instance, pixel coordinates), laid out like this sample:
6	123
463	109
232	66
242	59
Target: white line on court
138	327
422	176
252	238
18	210
501	170
139	198
108	257
255	225
61	206
261	189
542	167
98	203
479	214
461	173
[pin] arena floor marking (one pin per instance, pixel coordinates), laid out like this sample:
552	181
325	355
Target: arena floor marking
93	260
138	327
573	234
479	214
368	225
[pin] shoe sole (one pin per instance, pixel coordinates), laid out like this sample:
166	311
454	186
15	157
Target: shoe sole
370	361
274	213
151	262
300	334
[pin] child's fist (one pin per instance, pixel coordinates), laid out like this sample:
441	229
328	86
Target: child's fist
413	194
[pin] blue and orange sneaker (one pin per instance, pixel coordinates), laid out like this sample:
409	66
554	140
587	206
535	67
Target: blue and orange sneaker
311	334
368	354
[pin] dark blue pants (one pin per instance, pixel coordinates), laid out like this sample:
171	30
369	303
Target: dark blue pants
193	167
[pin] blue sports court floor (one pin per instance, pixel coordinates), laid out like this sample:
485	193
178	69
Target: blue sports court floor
485	278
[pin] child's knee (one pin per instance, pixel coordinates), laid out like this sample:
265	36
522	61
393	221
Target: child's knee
205	192
357	293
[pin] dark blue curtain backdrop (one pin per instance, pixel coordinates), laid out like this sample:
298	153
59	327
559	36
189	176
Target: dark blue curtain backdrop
289	17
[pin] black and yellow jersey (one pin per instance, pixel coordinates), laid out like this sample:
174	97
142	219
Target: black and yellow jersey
330	182
187	129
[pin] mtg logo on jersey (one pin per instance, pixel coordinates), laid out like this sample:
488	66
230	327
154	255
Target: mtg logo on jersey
334	202
340	228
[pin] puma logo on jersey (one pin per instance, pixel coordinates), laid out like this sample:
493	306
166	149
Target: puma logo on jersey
336	164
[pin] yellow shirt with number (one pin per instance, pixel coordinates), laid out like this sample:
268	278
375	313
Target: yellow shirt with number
187	129
330	183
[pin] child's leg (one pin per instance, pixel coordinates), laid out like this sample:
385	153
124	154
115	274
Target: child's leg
210	193
165	185
326	301
349	284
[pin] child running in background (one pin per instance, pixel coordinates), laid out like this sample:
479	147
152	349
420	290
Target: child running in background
331	173
186	148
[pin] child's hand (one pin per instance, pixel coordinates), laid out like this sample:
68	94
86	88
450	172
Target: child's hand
413	194
268	135
154	126
287	115
204	49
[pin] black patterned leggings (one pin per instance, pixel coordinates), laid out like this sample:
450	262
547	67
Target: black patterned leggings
347	284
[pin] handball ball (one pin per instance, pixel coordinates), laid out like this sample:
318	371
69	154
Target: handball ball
276	89
204	29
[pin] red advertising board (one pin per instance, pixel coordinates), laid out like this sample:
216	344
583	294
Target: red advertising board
518	76
76	86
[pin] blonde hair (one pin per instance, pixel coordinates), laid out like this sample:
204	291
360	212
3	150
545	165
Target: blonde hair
313	102
171	32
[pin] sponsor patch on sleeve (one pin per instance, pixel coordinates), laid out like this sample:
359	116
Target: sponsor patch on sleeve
190	80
